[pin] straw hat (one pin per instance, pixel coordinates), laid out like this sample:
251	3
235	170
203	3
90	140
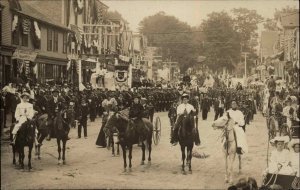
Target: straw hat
25	94
276	139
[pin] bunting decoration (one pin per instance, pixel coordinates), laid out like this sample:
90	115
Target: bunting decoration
26	26
15	23
36	35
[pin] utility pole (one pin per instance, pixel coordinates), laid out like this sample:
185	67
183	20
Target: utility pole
245	54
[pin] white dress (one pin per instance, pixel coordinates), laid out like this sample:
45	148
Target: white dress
280	158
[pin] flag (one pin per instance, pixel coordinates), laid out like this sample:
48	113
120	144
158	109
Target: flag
279	25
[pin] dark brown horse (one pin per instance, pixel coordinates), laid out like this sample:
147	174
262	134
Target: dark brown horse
61	130
186	139
25	137
128	136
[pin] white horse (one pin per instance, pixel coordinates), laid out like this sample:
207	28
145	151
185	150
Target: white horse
230	144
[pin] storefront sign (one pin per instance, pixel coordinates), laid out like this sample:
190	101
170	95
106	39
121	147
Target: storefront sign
28	55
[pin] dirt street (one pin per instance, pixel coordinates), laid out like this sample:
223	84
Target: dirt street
89	166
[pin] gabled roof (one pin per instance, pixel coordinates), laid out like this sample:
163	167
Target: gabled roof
290	19
28	10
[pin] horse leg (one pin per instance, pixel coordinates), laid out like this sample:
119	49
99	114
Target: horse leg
130	156
58	150
118	149
29	157
240	163
149	149
230	166
183	158
39	152
124	156
226	167
190	159
113	146
14	154
22	157
143	153
64	151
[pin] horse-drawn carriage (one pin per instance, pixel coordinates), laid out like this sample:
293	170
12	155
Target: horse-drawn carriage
285	181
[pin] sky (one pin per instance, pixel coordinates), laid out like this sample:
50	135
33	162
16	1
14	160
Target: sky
191	12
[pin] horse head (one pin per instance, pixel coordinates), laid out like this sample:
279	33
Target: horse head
112	123
223	121
27	131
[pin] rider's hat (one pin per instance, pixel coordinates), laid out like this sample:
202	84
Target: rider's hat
276	139
184	96
25	94
55	90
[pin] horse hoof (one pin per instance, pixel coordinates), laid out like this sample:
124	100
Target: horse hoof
190	172
142	163
64	162
39	158
59	162
129	170
113	155
183	172
149	163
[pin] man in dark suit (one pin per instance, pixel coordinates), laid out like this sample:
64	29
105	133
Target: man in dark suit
205	106
55	104
219	107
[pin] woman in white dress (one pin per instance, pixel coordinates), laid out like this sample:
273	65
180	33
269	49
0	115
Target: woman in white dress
280	162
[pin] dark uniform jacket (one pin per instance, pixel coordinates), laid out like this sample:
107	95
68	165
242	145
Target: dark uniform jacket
136	110
172	113
53	106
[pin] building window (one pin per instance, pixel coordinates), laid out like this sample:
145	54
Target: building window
24	39
15	37
48	71
55	41
65	43
49	39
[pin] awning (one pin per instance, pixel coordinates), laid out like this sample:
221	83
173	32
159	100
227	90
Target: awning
28	55
91	60
51	60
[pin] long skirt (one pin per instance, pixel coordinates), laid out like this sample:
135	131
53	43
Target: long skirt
101	137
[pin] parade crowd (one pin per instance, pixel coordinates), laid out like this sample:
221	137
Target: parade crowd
26	101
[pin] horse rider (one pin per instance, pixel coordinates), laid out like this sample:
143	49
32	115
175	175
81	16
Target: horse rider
56	104
24	112
136	114
183	109
236	115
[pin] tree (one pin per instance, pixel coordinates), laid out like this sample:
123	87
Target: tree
222	45
173	36
246	24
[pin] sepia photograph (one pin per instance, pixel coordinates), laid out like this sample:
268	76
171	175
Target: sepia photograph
150	94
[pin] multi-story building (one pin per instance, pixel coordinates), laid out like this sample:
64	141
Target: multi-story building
38	42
